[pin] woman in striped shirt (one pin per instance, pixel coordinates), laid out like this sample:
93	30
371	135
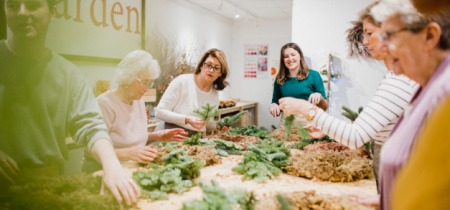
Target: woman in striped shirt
378	117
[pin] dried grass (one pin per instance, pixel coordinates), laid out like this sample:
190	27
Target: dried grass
280	133
330	165
196	152
241	140
310	200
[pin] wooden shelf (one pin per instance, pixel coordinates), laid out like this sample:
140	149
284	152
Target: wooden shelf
240	106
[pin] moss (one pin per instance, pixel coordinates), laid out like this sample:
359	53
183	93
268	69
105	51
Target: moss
74	192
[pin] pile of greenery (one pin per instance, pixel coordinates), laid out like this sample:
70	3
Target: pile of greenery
307	140
221	147
208	112
259	165
216	198
175	176
157	183
251	130
224	148
274	147
65	192
196	139
229	121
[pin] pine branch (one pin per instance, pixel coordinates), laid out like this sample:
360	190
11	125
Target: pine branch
208	112
288	121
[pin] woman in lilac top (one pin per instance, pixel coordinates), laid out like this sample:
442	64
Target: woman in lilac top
419	45
124	112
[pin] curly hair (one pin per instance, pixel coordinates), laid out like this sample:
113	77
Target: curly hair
220	82
134	63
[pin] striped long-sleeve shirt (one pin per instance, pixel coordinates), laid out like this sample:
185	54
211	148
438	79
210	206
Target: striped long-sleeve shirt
377	119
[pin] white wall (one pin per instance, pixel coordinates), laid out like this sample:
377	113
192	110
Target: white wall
319	28
275	34
190	23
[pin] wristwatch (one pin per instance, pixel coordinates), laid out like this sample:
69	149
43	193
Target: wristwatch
311	113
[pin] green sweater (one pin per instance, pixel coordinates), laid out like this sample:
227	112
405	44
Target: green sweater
40	103
313	83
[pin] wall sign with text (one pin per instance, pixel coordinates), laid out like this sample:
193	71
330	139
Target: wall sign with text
96	28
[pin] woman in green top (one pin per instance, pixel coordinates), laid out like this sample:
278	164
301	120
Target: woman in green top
296	80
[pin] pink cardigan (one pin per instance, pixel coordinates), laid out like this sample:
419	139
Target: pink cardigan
127	124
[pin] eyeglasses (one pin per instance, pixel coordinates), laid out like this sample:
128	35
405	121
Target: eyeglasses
386	36
144	83
214	68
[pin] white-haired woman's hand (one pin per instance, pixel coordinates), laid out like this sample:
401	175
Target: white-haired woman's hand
144	154
274	110
315	98
176	134
195	122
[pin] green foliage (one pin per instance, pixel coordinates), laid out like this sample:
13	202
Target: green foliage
285	203
360	109
216	198
229	121
208	112
157	183
175	176
304	133
196	139
368	146
350	114
251	130
288	121
275	149
224	148
258	165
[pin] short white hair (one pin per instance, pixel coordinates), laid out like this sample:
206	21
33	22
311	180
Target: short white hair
408	14
134	63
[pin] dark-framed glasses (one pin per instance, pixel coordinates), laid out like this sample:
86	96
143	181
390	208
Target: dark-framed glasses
386	36
214	68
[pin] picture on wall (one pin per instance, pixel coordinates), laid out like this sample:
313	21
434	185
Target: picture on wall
255	61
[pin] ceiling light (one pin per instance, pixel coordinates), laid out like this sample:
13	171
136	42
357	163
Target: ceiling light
236	13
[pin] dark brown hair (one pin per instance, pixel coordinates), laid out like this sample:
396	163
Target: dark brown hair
220	82
284	71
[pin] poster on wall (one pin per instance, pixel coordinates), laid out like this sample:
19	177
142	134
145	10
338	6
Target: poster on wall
96	28
255	61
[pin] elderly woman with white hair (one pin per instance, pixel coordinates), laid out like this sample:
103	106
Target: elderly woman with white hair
124	112
414	162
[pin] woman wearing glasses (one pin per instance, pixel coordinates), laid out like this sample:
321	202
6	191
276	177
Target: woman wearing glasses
189	92
296	80
378	118
124	112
